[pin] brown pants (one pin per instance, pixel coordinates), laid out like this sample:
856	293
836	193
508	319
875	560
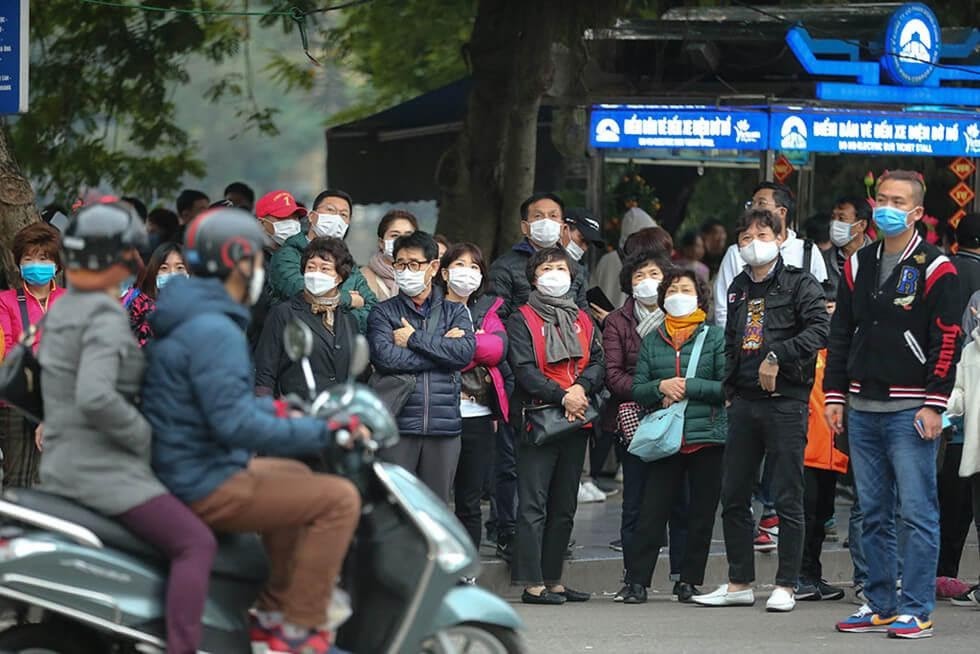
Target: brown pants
306	521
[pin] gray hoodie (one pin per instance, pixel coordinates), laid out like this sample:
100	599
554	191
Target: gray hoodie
971	317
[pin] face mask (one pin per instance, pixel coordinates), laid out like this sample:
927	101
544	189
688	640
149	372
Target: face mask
318	283
574	251
679	305
255	286
284	230
891	221
646	291
760	253
554	283
840	233
390	248
330	224
463	281
411	283
38	274
165	278
545	232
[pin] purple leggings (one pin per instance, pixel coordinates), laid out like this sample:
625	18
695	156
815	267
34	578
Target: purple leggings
167	523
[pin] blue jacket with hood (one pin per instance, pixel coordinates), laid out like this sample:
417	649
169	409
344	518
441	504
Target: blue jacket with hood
199	393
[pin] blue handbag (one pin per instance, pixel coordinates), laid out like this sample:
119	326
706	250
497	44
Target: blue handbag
661	433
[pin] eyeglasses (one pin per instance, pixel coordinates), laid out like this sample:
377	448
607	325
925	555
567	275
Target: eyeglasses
760	204
414	266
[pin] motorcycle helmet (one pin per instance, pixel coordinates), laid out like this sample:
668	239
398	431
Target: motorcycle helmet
220	238
102	235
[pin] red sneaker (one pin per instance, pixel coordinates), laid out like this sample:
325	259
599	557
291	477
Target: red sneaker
950	587
256	632
316	642
770	525
763	542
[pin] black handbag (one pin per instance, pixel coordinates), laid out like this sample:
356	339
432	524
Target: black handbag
546	423
476	384
20	372
394	390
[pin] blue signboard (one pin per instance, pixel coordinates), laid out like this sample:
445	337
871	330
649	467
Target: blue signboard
875	133
707	128
14	56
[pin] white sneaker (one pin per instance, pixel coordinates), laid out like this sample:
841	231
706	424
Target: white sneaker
597	494
584	496
721	597
781	601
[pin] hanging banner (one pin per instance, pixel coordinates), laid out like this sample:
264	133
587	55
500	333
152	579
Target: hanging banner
708	128
14	56
962	167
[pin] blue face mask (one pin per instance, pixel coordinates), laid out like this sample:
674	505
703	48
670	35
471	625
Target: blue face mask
165	278
891	221
38	273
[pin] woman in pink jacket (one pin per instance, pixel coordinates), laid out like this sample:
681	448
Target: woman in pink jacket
36	251
486	382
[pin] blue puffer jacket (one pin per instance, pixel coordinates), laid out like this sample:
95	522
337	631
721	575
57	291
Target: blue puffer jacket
433	408
199	393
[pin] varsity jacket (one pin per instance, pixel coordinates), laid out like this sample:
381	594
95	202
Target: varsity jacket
900	342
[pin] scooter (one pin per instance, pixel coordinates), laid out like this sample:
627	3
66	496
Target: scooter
80	583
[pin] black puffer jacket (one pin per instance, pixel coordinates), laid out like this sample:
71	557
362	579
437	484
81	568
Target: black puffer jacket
509	276
433	408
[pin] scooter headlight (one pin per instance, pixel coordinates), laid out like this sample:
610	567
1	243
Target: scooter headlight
451	554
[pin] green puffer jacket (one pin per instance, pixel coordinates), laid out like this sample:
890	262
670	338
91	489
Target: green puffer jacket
286	280
705	420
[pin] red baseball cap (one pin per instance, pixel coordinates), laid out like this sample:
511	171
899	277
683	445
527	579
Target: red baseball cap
278	204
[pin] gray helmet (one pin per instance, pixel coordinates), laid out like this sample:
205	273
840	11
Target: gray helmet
218	239
99	236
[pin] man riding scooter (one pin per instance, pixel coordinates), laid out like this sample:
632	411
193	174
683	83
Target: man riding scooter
207	423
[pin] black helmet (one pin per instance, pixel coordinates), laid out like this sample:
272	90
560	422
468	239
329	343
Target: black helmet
218	239
99	236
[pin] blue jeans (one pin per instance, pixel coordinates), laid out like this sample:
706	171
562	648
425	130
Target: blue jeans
889	456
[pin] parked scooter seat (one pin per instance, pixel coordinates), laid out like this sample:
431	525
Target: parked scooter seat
239	555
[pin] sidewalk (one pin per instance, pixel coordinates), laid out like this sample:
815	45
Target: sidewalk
598	569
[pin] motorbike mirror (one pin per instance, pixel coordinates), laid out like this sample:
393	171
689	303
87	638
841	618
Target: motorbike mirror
360	358
297	340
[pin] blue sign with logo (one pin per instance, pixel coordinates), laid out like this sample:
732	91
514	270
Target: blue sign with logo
13	56
875	133
913	43
670	127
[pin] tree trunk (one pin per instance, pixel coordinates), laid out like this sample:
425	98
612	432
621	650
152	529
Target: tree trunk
17	208
490	170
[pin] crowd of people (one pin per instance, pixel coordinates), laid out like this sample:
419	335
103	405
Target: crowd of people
505	378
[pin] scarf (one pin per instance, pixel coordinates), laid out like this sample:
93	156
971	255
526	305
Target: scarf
680	329
647	320
325	306
384	271
560	338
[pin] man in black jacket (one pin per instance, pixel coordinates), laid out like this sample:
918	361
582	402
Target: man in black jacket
967	258
777	322
894	341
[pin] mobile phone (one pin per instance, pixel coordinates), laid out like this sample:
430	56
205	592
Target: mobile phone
920	427
597	296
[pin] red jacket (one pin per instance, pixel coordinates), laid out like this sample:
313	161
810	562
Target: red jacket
10	317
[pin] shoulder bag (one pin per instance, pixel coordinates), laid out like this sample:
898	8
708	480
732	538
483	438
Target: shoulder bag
394	389
20	373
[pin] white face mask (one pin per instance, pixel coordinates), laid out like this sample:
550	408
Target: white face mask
411	283
840	233
463	281
318	283
760	253
646	291
283	230
554	283
330	224
255	286
679	305
574	250
545	232
389	248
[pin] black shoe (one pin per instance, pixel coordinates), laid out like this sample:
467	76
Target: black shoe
677	588
606	486
685	592
828	592
504	550
635	594
807	591
574	595
616	546
546	597
618	597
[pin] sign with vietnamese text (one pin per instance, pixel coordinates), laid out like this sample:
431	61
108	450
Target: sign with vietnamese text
14	56
708	128
962	167
961	194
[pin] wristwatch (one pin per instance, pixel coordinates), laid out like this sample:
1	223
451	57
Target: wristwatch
772	358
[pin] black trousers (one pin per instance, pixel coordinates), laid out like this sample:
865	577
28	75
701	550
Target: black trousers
818	502
775	428
505	483
472	471
547	492
666	480
955	512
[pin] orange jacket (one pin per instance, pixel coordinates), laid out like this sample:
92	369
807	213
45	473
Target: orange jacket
820	450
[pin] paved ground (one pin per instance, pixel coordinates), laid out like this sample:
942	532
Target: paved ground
661	625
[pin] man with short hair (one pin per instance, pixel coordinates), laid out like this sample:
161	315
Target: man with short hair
778	323
796	252
849	223
240	195
893	346
715	238
191	204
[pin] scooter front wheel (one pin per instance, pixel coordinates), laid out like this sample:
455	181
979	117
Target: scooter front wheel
476	638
